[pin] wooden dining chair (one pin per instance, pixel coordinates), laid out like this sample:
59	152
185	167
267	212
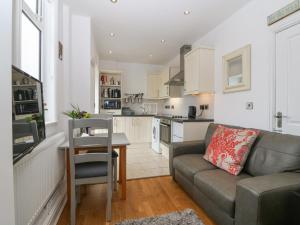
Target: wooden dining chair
90	168
115	155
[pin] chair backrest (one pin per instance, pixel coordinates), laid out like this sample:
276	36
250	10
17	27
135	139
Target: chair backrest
102	140
99	116
102	116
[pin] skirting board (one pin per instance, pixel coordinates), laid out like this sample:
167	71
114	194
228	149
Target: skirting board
52	211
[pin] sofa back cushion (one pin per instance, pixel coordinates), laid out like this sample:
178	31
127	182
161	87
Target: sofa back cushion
270	153
274	153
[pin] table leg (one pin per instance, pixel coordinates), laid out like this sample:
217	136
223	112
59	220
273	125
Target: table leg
123	171
120	167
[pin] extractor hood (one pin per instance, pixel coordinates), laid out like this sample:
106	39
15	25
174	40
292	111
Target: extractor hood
178	79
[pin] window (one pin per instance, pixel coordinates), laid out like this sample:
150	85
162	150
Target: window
30	47
35	46
30	38
33	5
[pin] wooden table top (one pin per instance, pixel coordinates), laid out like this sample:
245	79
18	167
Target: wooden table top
118	139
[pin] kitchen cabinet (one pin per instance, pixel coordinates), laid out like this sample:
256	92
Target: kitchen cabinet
199	71
188	131
118	125
164	89
153	84
167	91
137	129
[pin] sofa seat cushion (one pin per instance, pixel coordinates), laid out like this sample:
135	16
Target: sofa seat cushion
220	187
190	164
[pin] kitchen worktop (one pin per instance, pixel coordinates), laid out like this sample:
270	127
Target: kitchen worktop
135	115
184	119
178	120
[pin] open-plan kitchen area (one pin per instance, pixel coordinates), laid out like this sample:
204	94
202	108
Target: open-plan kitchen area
157	112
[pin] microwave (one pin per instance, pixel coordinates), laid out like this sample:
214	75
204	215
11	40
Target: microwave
112	104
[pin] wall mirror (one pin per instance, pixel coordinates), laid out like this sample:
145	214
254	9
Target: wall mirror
237	70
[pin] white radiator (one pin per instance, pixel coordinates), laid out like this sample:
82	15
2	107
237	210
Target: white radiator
36	177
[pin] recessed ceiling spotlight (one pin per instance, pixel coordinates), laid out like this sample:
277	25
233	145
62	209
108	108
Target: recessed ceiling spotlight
114	1
187	12
110	52
112	34
163	41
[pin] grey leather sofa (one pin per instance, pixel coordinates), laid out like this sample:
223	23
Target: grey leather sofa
267	192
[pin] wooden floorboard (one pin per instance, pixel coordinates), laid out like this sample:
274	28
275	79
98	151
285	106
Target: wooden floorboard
145	197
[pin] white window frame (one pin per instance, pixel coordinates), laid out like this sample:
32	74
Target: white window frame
37	19
21	7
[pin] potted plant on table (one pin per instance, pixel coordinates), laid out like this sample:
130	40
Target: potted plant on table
76	113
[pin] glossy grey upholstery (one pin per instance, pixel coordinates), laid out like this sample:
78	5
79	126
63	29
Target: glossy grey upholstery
177	149
190	164
267	192
220	186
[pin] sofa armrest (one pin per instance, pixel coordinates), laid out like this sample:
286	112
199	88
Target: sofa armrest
272	199
181	148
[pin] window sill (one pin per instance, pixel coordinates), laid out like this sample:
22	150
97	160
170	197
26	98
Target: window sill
51	123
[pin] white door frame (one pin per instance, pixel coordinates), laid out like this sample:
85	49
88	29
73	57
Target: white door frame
278	27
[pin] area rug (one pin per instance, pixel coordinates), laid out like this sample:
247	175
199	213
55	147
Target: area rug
186	217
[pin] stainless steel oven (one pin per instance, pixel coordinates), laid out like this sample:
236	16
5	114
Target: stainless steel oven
165	131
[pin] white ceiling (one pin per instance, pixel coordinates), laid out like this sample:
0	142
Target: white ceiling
140	25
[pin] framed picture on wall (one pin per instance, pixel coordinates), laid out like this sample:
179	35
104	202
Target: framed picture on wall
237	70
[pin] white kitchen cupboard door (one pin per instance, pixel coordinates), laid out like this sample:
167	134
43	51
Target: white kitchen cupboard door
288	81
164	89
207	71
142	127
153	85
199	71
192	72
119	125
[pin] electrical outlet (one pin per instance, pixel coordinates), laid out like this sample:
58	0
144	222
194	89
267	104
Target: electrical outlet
249	105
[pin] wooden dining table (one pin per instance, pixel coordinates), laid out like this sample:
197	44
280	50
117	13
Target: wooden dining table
119	141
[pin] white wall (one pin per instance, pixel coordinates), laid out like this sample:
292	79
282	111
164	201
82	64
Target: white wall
7	214
247	26
94	91
134	74
80	70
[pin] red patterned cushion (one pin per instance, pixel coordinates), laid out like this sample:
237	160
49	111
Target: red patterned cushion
229	148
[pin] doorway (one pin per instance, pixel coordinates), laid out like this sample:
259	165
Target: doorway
287	81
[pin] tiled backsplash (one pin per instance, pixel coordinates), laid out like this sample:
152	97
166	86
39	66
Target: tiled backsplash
180	105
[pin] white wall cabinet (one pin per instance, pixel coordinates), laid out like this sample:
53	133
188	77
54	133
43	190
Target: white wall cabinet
137	129
188	131
199	71
153	84
164	89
